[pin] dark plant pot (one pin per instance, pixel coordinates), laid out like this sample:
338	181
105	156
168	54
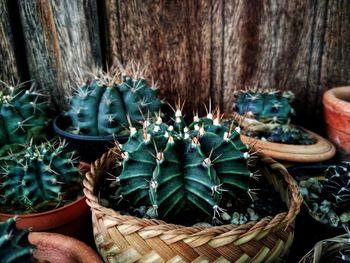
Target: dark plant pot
309	230
89	148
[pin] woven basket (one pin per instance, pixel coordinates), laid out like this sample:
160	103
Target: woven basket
328	250
121	238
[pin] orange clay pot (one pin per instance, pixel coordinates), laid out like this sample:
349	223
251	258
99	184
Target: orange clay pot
320	151
57	248
72	219
336	107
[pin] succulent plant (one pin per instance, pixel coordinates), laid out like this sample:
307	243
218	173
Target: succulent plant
14	245
22	114
267	116
108	104
265	106
171	168
38	177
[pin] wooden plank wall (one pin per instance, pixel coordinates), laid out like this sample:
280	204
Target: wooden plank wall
195	49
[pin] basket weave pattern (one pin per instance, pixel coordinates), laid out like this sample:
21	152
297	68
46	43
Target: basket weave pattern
122	238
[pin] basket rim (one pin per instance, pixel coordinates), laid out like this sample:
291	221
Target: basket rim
240	233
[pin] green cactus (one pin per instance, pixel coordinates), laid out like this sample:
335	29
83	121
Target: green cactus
110	103
38	178
14	245
289	134
265	106
173	168
22	114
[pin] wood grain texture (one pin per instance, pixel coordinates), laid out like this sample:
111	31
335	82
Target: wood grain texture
173	38
8	67
59	37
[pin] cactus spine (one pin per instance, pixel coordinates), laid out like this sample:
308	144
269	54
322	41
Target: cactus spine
38	177
172	168
14	245
105	105
22	114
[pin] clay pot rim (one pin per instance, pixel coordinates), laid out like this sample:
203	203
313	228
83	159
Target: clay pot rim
52	211
49	241
320	151
332	98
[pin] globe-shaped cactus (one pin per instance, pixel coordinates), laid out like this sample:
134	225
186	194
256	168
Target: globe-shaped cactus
170	168
14	245
111	102
38	177
22	114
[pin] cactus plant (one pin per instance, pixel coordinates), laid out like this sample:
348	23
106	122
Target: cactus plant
171	168
267	116
22	114
14	245
38	178
112	101
329	199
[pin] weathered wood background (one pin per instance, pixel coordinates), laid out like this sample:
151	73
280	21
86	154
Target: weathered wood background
196	49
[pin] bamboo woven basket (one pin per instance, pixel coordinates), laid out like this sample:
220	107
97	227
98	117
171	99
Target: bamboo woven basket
328	250
121	238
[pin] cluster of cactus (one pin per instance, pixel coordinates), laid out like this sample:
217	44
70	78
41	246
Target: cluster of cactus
271	111
14	245
38	177
22	114
108	104
329	199
171	168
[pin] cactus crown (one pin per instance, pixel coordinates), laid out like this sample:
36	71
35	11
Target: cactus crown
171	168
14	245
337	186
38	178
22	114
112	101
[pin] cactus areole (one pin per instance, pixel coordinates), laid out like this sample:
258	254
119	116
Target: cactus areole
39	178
99	108
171	168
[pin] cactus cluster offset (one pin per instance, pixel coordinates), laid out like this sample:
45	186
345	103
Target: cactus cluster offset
38	177
14	245
22	114
171	168
112	101
265	106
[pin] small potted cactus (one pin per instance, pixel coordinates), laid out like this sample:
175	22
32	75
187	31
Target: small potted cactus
103	108
42	185
265	117
23	116
19	245
199	178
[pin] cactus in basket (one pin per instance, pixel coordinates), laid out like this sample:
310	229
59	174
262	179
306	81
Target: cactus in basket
22	114
106	104
173	168
14	245
267	116
38	177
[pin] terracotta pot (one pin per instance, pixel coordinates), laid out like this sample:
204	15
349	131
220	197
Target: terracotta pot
57	248
73	219
336	106
320	151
